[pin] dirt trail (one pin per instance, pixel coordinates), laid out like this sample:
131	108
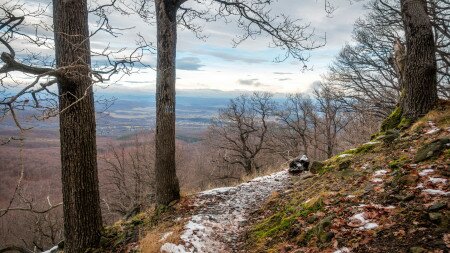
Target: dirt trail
221	215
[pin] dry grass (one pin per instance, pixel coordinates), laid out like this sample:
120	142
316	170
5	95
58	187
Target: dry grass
440	116
152	241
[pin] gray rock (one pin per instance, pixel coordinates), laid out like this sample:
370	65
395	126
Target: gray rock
436	207
429	150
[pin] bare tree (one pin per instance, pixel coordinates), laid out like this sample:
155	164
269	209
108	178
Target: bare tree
293	136
254	17
242	129
130	178
332	113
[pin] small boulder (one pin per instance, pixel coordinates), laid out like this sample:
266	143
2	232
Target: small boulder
436	207
390	136
429	150
299	164
345	164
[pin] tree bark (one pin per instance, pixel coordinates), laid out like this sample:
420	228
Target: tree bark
167	186
82	214
420	84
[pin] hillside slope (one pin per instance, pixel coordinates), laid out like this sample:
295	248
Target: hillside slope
388	195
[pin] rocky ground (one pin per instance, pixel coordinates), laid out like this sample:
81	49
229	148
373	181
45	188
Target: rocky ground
388	195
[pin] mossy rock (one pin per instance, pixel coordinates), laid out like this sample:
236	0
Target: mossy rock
432	149
345	165
326	237
393	120
398	163
390	136
316	167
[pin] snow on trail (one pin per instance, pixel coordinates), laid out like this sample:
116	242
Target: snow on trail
221	215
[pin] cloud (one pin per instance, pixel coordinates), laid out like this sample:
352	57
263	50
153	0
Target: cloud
283	73
189	63
250	82
229	56
284	79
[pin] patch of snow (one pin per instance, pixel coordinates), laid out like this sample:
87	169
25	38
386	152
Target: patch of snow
436	192
344	155
365	166
376	180
365	224
217	190
165	236
173	248
52	250
380	173
436	180
360	217
419	186
376	206
368	226
426	172
371	143
351	196
342	250
221	215
433	130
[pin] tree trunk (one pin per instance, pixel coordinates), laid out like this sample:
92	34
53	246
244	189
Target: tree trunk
82	214
420	84
167	186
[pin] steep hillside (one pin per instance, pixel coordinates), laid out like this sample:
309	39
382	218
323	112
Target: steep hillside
388	195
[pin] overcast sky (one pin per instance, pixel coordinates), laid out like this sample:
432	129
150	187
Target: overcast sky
215	64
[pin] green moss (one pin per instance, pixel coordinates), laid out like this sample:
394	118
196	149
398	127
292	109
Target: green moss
398	163
404	123
282	221
272	225
337	162
447	154
320	231
393	120
365	148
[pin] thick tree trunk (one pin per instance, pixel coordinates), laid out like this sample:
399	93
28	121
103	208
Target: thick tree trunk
82	214
420	84
167	186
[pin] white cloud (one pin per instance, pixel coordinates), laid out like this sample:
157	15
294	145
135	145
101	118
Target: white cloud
224	67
